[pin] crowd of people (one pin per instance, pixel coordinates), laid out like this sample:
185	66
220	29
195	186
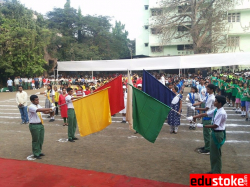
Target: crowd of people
234	86
208	94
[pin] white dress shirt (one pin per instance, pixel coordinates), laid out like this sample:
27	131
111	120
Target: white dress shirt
69	101
10	82
33	117
210	102
219	119
22	98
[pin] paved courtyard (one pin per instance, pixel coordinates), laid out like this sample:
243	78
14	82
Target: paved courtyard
117	150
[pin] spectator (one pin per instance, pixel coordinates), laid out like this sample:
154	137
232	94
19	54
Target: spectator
21	99
10	85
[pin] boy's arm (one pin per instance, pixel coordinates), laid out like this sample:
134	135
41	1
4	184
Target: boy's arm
44	110
198	103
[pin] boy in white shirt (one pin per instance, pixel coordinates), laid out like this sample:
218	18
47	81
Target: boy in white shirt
218	135
71	115
209	106
36	125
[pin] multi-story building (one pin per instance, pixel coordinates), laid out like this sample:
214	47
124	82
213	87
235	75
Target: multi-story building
148	42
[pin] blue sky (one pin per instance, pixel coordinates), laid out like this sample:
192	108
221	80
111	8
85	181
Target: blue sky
126	11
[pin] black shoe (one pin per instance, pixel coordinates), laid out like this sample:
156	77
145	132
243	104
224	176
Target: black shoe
201	148
209	172
123	122
51	120
205	152
42	154
193	128
136	132
75	138
71	140
37	157
190	127
246	119
48	117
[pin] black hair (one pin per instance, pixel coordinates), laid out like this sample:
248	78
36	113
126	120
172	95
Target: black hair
221	99
20	86
211	87
33	97
93	88
69	89
195	88
176	88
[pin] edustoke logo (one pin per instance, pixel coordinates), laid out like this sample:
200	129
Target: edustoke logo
219	180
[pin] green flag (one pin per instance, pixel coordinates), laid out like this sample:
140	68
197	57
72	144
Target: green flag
149	115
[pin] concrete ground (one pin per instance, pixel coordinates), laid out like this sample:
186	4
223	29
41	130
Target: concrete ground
117	150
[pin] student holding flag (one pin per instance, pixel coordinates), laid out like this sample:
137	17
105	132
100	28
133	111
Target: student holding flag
71	115
36	125
209	106
218	135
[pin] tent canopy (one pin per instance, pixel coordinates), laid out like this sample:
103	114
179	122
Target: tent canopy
159	63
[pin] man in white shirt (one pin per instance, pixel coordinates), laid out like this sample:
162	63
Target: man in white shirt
36	125
21	99
71	115
218	135
209	106
10	84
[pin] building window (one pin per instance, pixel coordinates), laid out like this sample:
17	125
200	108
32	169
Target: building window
184	28
156	31
146	27
146	44
156	49
183	9
233	17
233	41
184	47
156	12
146	7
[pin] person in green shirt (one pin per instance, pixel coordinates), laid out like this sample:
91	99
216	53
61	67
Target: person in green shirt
228	91
234	85
221	85
238	97
214	80
248	103
248	81
244	98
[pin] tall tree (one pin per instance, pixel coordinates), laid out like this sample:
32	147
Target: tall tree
122	42
23	39
204	22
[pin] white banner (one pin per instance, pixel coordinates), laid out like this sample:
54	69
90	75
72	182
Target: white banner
159	63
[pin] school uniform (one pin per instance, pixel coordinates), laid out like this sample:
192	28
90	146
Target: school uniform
217	138
49	98
36	129
57	94
192	98
209	103
125	103
71	118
